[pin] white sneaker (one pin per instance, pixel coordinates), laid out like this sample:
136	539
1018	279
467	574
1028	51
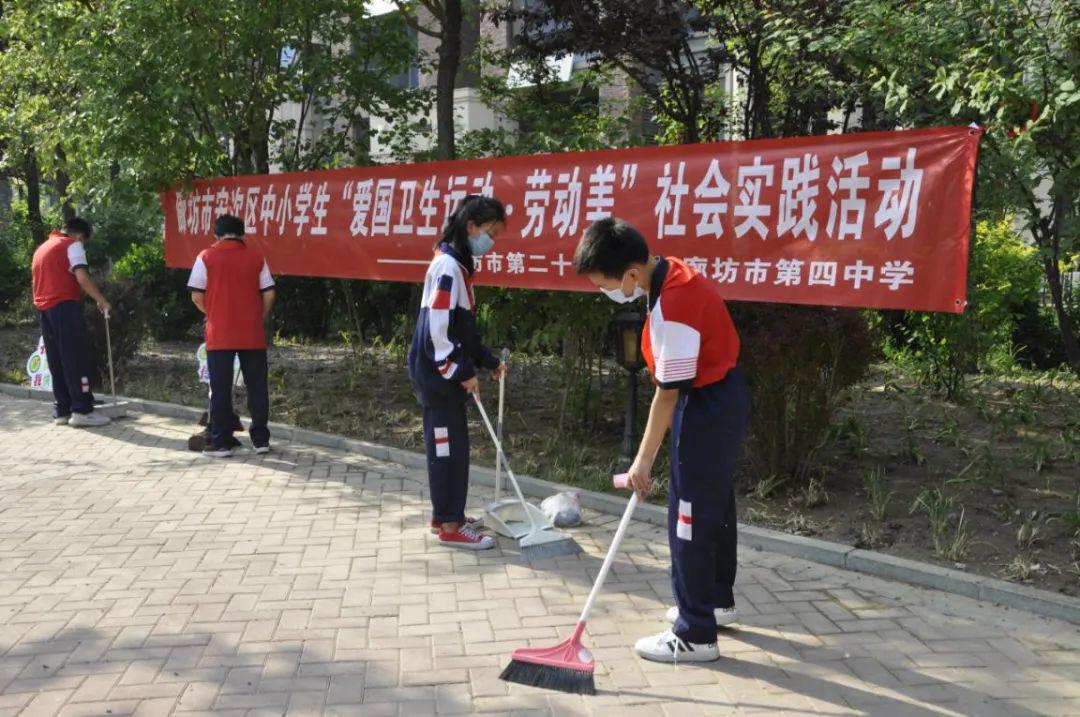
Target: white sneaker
669	647
61	420
217	452
262	450
724	615
88	420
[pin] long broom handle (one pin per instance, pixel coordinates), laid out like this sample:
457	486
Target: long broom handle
609	558
506	463
108	346
502	396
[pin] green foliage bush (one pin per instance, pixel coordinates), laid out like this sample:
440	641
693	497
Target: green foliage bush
1037	336
14	276
129	324
1003	284
799	360
16	252
162	289
303	307
120	227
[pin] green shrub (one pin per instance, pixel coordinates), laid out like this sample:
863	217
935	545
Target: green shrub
547	322
942	349
799	360
16	252
383	310
128	326
14	277
1037	336
303	307
163	289
120	228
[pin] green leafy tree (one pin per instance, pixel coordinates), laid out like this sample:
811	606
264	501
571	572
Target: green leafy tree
1014	67
142	94
445	21
652	43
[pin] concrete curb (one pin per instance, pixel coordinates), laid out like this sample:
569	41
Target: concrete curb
977	587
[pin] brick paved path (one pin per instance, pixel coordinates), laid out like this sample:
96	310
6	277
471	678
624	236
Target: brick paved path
139	578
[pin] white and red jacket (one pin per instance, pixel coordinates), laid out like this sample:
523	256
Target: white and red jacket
446	346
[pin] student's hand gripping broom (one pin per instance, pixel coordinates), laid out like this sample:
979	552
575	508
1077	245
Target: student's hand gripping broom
569	666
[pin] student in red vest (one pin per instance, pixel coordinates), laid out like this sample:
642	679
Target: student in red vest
60	277
231	283
691	349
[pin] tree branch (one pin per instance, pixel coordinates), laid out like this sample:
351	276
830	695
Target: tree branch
414	22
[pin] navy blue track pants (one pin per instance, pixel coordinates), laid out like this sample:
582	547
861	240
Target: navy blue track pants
446	440
707	434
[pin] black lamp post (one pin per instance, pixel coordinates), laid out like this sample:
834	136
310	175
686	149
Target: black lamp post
628	325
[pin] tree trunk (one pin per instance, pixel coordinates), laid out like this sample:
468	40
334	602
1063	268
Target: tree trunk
354	317
1068	336
1052	229
241	159
63	181
691	133
449	59
33	197
262	156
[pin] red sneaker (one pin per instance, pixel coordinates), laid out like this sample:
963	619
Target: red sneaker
466	538
475	523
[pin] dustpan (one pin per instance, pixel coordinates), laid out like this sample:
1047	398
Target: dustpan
510	517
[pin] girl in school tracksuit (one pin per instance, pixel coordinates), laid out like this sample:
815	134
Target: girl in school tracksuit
445	358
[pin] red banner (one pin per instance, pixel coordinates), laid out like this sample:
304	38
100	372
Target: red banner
878	219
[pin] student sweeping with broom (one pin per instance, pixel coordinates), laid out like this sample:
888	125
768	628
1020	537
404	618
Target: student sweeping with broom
691	348
444	359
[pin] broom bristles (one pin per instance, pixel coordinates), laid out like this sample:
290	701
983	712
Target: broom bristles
548	677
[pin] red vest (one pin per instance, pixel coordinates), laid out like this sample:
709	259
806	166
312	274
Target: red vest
53	271
234	313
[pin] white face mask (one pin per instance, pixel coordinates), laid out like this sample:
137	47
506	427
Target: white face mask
481	244
619	297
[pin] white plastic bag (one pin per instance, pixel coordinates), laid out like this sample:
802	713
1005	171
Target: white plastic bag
563	509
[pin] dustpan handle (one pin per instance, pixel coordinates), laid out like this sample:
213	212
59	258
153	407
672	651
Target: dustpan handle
506	463
609	558
504	357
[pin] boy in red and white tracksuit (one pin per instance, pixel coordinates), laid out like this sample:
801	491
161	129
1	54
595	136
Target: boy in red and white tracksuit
692	350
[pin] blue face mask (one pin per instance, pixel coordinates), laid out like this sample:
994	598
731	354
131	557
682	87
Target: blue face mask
481	244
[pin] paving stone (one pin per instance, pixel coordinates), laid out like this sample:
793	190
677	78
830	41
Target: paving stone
139	578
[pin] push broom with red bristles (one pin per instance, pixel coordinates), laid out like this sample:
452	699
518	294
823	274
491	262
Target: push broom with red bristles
569	666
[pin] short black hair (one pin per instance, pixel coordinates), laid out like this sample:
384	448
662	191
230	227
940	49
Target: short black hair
228	225
77	225
609	247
